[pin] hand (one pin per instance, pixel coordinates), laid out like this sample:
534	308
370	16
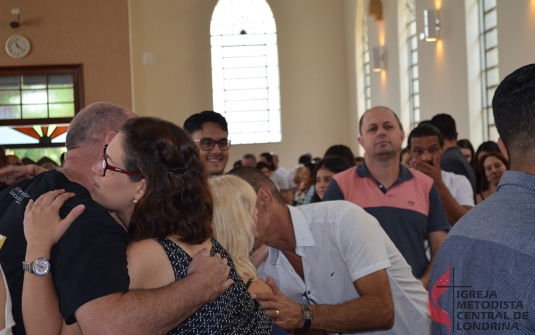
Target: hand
12	174
434	171
281	309
211	270
43	226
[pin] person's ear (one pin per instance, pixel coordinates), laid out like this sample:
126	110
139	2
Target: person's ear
360	140
110	136
503	149
140	189
264	199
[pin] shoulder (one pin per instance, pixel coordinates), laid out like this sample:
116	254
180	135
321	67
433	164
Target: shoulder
148	265
421	180
351	172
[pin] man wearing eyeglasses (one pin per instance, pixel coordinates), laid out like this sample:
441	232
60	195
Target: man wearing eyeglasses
209	130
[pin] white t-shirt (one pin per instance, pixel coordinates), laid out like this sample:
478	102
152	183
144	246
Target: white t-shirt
459	187
8	316
339	243
280	182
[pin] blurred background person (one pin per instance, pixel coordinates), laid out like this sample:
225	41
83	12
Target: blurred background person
305	188
324	170
342	151
248	160
468	150
491	166
483	149
405	157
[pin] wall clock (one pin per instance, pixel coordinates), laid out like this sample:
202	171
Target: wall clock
17	46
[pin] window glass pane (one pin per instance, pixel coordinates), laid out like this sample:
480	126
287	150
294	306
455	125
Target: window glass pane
490	115
60	95
34	111
61	110
492	77
33	82
244	62
58	81
9	83
247	105
9	112
490	93
242	51
246	83
9	97
246	94
491	39
490	20
252	72
247	116
492	58
489	4
34	97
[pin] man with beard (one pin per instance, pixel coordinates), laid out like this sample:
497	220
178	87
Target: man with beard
426	147
406	203
209	130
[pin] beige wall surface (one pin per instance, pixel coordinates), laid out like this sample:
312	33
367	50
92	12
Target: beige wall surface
93	33
312	60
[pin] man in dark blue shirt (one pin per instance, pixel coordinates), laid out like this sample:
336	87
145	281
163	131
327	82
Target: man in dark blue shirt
482	279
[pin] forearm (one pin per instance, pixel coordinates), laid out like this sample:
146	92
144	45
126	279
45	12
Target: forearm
364	313
454	211
154	311
40	307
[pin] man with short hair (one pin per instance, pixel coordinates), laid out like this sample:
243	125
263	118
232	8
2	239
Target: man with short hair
209	130
406	203
279	180
425	146
453	159
248	160
89	266
488	258
337	261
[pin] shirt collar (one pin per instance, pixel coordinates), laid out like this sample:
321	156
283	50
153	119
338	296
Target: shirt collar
512	177
404	173
303	236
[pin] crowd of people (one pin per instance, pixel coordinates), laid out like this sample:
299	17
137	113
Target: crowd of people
142	230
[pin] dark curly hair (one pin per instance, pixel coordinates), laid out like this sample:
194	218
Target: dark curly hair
177	198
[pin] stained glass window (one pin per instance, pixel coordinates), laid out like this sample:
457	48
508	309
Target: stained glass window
37	104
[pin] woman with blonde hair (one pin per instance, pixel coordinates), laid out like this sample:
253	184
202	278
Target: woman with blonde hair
234	225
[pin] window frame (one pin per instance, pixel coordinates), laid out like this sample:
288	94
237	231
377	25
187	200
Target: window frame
76	70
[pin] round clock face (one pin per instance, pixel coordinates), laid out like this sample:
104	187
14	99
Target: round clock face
17	46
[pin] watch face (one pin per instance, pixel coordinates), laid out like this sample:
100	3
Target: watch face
41	267
17	46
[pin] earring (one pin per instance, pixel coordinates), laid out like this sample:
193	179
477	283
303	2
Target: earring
135	201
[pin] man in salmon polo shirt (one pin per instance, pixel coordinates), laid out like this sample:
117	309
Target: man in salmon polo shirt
405	202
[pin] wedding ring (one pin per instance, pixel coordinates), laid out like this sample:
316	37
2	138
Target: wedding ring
277	311
35	204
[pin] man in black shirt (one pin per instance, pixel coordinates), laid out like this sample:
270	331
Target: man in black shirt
453	159
88	263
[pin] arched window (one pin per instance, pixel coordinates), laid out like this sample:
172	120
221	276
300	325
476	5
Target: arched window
245	70
490	76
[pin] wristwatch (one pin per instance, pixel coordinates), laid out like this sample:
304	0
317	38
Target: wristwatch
307	316
40	267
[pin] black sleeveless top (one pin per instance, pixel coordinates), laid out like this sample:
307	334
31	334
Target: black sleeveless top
234	312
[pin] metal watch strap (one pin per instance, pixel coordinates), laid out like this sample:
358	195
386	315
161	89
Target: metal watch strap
307	316
27	267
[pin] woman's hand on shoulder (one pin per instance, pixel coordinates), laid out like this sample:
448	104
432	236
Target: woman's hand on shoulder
43	226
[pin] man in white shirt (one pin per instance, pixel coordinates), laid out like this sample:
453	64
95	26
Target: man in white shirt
336	268
426	145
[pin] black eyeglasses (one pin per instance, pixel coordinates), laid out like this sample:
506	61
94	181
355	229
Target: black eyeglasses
208	144
106	166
